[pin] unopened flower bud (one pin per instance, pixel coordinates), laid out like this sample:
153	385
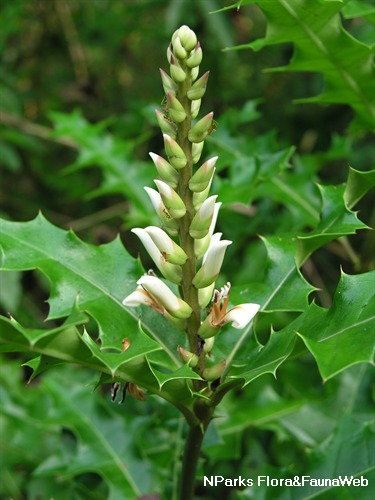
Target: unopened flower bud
199	198
196	57
188	357
175	108
165	170
205	295
165	124
187	36
194	73
201	129
159	290
172	201
161	210
196	151
202	177
209	345
178	49
172	252
177	73
198	89
207	330
201	245
195	107
169	52
175	153
201	222
214	372
212	262
168	84
170	271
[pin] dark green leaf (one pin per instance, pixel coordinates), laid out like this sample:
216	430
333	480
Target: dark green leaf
343	335
336	221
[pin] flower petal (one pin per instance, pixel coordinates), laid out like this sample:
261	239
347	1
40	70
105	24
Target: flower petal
241	315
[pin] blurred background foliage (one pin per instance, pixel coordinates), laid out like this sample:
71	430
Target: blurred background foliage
79	84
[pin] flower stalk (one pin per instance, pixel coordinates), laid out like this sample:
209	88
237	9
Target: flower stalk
191	254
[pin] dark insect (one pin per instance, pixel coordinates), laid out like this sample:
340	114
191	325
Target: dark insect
201	343
213	127
114	391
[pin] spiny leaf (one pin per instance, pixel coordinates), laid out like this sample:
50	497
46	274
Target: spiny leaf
336	220
264	359
282	289
65	344
184	372
141	345
358	184
322	45
99	277
343	335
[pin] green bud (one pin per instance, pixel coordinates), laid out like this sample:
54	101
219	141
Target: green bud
187	36
168	84
205	294
201	222
165	170
169	223
175	108
199	198
188	357
171	199
201	129
209	345
214	372
194	73
178	49
165	125
171	252
196	151
169	52
195	107
202	177
198	89
196	57
177	73
175	153
212	261
207	330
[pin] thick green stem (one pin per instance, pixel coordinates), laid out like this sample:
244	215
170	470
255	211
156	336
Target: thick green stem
190	461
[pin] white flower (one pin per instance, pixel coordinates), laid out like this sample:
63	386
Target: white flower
165	297
239	316
201	222
170	271
161	210
172	252
201	245
212	262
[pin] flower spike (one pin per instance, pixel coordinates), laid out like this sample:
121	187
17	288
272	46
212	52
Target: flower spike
191	254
